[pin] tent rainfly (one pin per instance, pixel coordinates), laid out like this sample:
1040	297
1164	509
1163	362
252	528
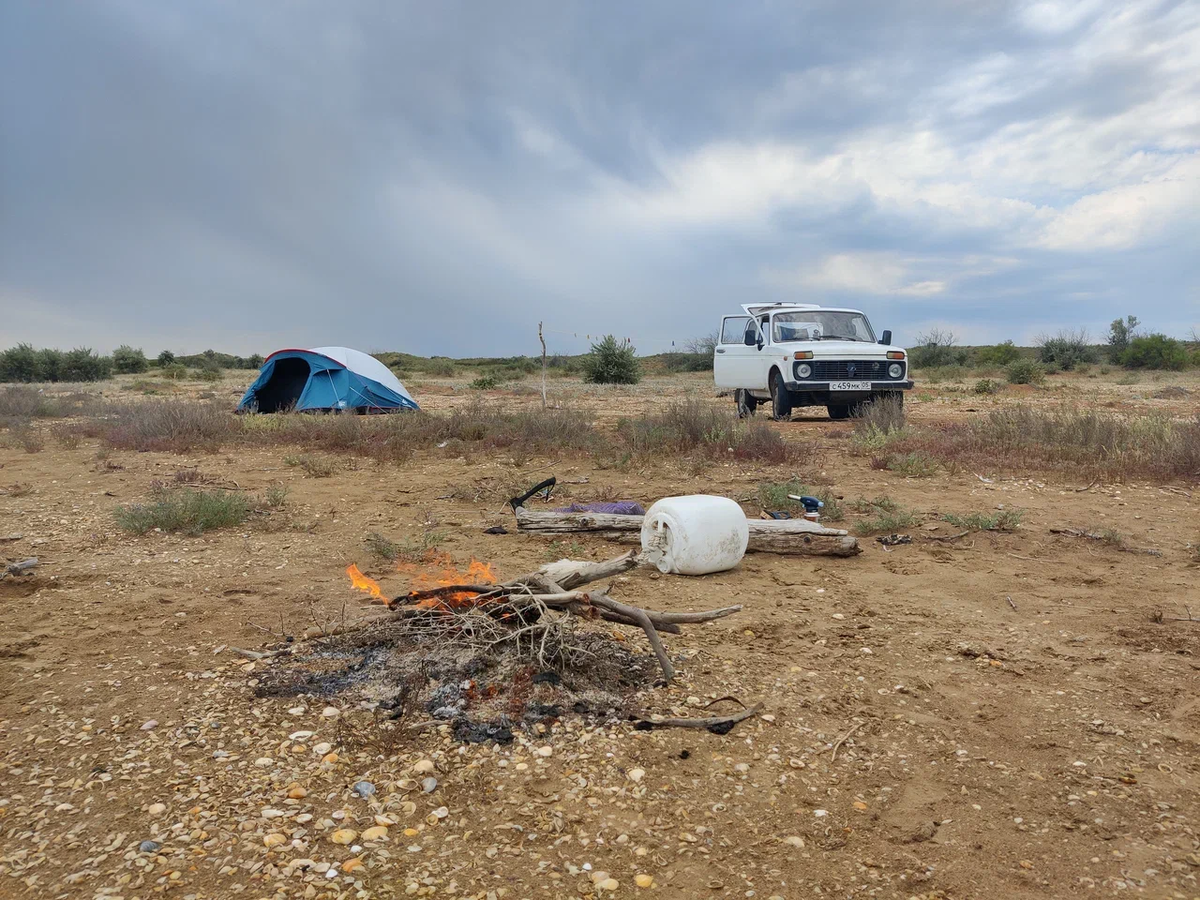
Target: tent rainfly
322	379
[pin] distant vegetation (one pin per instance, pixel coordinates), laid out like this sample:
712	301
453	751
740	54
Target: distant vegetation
936	354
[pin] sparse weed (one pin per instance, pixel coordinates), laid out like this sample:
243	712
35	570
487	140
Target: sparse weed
20	489
1001	520
276	496
887	522
876	504
916	464
416	551
557	550
987	386
185	511
773	496
314	466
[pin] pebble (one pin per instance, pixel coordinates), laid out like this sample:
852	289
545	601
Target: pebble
295	792
157	809
331	712
794	841
275	839
643	880
364	789
322	748
609	884
264	762
545	751
149	846
636	775
423	767
344	836
375	833
429	785
148	726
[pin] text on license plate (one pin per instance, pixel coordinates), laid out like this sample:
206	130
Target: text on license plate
850	385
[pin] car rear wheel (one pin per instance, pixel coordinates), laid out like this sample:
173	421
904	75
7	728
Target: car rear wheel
781	398
746	404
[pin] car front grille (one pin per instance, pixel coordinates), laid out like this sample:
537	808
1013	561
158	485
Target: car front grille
851	370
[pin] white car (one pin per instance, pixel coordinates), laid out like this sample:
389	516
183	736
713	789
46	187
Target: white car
791	354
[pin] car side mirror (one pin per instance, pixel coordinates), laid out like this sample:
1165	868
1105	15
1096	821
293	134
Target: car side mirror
887	338
751	339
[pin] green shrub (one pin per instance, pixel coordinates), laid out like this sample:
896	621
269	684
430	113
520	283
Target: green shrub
174	372
986	386
935	349
1155	351
997	355
185	511
1067	349
166	358
20	364
1025	371
24	364
486	382
129	361
611	363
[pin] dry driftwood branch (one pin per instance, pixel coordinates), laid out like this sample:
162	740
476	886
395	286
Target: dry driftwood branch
1113	539
713	724
946	538
19	568
845	737
555	586
766	535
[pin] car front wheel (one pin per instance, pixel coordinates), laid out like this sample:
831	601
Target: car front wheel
781	398
839	411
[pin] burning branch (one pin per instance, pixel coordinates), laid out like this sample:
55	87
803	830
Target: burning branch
517	603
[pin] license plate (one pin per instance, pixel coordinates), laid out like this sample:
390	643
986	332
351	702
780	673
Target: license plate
850	385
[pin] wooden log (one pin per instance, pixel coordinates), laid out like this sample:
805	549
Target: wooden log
19	568
766	535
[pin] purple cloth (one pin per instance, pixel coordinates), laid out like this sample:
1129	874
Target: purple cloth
619	508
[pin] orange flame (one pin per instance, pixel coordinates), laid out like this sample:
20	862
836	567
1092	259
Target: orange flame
477	573
363	583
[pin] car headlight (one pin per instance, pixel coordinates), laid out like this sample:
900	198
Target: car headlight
803	370
895	370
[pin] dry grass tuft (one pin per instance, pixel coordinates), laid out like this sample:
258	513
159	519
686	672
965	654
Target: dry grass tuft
1084	443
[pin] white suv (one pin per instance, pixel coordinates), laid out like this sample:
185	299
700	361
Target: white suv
792	354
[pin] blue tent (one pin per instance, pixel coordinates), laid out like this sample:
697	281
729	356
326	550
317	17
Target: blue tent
325	378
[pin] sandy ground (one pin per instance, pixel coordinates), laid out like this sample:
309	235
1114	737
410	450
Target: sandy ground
998	716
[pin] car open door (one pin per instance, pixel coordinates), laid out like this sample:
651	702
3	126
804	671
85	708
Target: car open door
735	363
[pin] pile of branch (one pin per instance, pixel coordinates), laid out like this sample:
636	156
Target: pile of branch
798	536
556	586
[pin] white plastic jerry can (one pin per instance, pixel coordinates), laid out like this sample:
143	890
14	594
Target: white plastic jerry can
695	535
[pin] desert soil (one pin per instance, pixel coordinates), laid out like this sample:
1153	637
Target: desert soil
997	716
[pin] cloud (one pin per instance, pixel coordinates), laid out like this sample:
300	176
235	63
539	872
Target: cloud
439	179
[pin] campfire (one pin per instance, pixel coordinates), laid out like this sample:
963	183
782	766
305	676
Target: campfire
461	647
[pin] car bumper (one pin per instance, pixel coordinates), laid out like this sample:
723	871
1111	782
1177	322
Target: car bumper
822	387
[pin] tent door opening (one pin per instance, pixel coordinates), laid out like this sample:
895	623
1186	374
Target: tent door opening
286	384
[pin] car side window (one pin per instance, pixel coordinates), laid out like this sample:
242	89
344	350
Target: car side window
733	331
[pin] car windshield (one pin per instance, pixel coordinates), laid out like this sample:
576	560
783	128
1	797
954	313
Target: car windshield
821	325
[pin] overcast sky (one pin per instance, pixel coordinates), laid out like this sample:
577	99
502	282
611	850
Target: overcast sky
437	177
